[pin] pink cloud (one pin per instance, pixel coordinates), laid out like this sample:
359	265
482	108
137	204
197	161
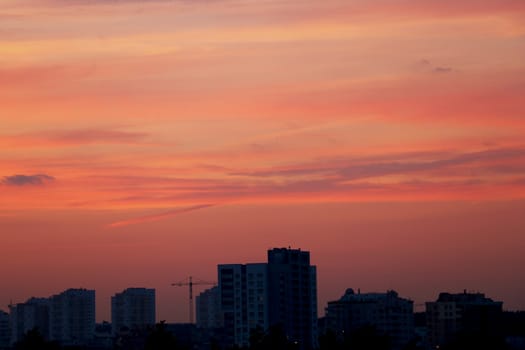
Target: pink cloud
73	137
160	216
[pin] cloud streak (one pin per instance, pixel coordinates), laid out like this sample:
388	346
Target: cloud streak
27	180
354	168
95	136
156	217
73	137
442	70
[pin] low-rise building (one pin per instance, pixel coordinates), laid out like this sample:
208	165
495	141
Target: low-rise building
387	313
468	313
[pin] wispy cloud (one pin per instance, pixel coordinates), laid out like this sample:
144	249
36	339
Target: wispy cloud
156	217
27	180
428	66
442	70
74	137
96	135
355	168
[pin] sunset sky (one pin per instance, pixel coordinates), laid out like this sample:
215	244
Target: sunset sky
145	141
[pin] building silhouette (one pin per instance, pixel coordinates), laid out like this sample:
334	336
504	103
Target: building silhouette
292	295
5	330
72	317
387	313
33	314
281	293
208	305
133	308
243	300
463	313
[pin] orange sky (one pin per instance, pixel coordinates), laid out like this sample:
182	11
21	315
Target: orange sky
144	141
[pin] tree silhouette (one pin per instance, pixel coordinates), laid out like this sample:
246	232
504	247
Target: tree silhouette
257	336
34	340
329	341
273	339
367	337
160	339
476	340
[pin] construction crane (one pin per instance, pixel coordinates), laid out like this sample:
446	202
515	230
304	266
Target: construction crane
190	283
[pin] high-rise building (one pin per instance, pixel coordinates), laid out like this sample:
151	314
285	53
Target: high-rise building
281	292
33	314
5	330
243	296
387	313
292	295
133	308
72	317
208	304
470	313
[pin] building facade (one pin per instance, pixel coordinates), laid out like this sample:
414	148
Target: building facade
33	314
387	313
281	292
208	305
5	330
72	317
133	308
292	295
243	293
470	313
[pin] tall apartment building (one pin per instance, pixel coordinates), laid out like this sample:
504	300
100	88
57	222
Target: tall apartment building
5	330
72	317
208	305
281	292
464	312
292	295
133	308
243	293
33	314
389	314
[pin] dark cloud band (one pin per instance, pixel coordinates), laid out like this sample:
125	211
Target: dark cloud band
26	180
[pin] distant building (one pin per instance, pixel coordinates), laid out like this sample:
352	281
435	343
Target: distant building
208	305
33	314
281	292
103	338
464	312
389	314
72	317
292	295
133	308
243	295
5	330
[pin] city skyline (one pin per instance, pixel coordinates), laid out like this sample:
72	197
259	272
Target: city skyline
199	289
257	299
142	142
